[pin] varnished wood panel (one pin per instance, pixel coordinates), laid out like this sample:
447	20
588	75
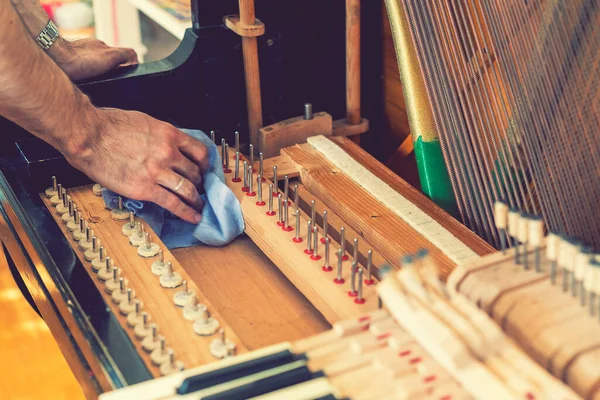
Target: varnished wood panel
190	348
251	294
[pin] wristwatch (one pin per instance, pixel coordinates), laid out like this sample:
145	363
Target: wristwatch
48	35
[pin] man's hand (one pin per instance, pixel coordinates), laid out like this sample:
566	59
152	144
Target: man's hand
141	158
87	58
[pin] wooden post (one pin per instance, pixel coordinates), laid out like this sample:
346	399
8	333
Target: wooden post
251	69
353	64
353	125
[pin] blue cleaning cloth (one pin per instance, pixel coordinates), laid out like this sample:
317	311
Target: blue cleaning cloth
222	219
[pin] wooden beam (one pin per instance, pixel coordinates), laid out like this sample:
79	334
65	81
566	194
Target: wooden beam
272	138
189	348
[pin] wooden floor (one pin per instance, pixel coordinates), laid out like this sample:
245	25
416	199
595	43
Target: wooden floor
31	365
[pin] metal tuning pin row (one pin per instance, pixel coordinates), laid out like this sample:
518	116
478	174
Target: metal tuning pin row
570	264
313	239
203	323
114	283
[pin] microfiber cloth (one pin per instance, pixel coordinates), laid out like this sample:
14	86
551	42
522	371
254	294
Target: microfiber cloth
222	219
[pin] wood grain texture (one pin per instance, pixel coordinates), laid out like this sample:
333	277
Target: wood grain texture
390	235
28	346
353	62
463	233
273	138
284	167
251	294
252	73
330	299
190	348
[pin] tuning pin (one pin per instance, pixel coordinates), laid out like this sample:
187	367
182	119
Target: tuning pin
325	227
355	250
193	310
170	279
114	283
251	155
129	228
68	216
297	238
152	341
236	171
315	247
223	153
359	297
261	171
79	234
171	366
160	355
260	202
327	267
73	224
205	325
286	218
52	190
343	243
63	206
212	137
158	267
308	237
93	252
270	212
251	191
106	273
86	243
296	200
57	198
221	347
237	144
135	316
138	238
245	187
280	211
353	292
119	213
148	249
286	189
184	296
313	211
339	279
275	181
369	280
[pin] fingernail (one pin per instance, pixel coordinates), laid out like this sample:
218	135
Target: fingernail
197	218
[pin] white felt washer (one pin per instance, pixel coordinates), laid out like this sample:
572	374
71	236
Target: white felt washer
150	344
90	255
127	229
170	281
158	268
119	215
97	189
67	218
144	251
193	312
184	298
136	240
159	356
50	193
98	264
221	349
169	369
72	225
126	307
206	327
142	331
56	200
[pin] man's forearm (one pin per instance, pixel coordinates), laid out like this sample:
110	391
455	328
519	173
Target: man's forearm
35	93
35	19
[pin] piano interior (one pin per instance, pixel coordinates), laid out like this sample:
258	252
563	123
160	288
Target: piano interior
478	279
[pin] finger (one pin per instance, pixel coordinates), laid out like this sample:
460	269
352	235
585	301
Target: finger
183	166
123	56
174	204
186	191
195	151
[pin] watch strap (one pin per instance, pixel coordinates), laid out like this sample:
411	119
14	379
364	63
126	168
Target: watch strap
48	36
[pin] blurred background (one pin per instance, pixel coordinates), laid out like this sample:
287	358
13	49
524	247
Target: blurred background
153	28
